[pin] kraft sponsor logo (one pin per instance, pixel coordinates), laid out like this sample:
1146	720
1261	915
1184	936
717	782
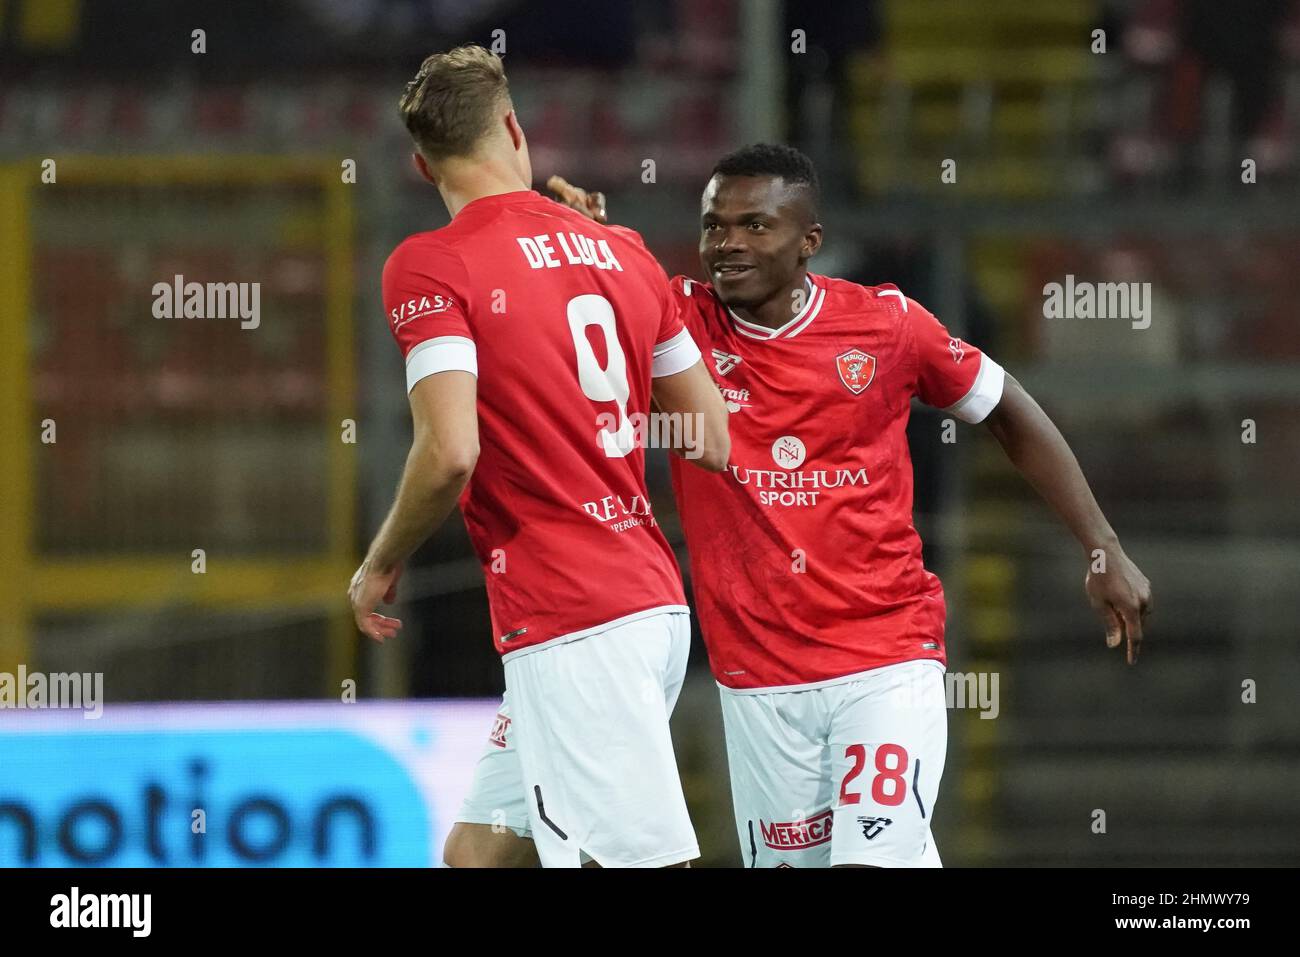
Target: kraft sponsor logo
736	399
796	835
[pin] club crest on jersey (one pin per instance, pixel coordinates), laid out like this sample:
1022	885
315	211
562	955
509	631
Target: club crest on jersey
856	369
724	362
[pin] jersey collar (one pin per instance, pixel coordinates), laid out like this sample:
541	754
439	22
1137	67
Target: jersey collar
501	199
807	314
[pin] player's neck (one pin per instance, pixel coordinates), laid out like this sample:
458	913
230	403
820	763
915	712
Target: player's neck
780	308
461	185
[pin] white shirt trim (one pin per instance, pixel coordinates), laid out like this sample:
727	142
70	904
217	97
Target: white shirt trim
806	315
442	354
902	300
674	355
842	679
985	393
750	335
817	307
597	629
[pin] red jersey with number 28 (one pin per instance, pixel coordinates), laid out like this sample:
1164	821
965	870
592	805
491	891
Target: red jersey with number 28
564	322
805	564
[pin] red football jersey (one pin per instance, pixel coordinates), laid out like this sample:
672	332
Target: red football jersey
805	563
564	322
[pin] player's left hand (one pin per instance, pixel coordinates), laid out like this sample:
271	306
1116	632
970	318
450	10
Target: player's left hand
1122	596
368	588
589	204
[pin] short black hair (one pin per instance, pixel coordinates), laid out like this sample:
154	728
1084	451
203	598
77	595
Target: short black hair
772	159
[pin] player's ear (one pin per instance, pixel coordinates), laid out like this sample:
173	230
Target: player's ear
422	167
812	241
516	131
520	143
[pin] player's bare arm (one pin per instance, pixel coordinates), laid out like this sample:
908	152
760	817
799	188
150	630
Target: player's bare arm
1121	594
442	457
693	392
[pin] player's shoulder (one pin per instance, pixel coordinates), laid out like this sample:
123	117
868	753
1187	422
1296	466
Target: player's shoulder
425	252
698	293
626	245
626	240
430	242
622	233
846	291
576	220
885	299
697	302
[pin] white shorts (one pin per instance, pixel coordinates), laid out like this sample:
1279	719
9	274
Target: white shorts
496	795
585	753
845	773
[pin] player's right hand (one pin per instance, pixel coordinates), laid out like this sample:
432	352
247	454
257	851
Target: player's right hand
368	588
591	205
1122	596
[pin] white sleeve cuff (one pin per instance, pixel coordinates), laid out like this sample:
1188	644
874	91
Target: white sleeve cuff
443	354
675	355
984	394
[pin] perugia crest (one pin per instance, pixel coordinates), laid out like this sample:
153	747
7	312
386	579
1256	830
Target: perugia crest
856	369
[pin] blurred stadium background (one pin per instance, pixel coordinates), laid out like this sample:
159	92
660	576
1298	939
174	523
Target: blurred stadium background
175	435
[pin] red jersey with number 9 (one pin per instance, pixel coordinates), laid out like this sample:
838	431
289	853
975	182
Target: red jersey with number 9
564	322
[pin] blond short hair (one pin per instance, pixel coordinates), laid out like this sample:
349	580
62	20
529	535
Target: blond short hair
454	100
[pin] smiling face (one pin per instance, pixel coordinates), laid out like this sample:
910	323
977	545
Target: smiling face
756	234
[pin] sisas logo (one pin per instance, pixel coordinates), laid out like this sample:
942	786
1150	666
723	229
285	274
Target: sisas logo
418	306
789	452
